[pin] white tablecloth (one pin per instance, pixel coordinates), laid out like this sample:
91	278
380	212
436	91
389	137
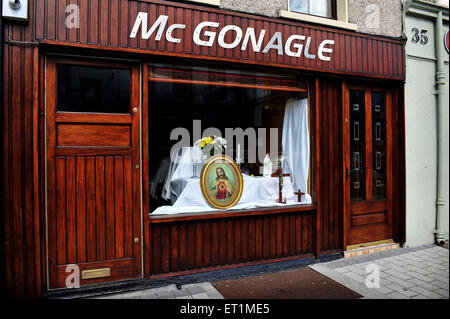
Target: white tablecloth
257	192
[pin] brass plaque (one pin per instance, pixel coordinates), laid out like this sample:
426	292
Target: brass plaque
96	273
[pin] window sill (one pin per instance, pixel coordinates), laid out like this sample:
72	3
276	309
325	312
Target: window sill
215	3
317	20
158	219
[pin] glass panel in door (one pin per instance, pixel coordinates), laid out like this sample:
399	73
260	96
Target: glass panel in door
379	145
357	146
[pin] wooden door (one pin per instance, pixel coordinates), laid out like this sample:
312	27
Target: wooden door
93	171
367	143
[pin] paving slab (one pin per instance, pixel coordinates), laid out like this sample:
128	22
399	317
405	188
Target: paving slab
403	273
192	291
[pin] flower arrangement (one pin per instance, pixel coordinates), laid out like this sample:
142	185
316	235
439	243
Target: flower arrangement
212	145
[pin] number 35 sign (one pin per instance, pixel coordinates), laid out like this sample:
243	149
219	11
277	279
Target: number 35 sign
419	36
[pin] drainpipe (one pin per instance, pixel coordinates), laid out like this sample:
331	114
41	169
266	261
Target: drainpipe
2	229
440	91
405	8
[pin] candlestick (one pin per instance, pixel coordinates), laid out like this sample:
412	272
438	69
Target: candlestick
238	155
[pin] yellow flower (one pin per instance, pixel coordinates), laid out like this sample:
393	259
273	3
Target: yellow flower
202	145
206	141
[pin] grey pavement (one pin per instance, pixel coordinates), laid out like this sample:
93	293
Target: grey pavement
203	290
402	273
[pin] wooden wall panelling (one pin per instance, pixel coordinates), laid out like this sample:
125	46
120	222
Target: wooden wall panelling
41	171
21	201
395	164
326	176
316	167
145	168
195	244
398	123
330	163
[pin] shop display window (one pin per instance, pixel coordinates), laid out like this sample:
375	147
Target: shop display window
261	119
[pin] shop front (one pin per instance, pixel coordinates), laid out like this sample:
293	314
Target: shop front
122	110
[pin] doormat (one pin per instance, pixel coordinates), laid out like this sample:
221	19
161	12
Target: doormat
303	283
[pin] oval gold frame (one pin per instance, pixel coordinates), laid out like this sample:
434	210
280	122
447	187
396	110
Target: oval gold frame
227	161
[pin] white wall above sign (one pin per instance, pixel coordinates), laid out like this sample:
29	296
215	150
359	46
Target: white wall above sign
15	10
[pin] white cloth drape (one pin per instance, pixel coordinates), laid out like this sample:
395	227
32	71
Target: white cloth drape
160	177
185	164
258	192
295	143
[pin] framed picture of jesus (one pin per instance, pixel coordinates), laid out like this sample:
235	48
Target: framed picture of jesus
221	182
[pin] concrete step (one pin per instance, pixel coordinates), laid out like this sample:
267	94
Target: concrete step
369	248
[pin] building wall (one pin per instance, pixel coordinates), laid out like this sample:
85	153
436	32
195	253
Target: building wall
381	17
269	8
421	134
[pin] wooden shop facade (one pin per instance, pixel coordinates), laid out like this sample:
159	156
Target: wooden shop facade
88	111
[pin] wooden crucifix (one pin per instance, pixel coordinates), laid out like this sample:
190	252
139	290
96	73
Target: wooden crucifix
299	194
280	176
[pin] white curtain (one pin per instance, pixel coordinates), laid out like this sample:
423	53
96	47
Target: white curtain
319	7
315	7
295	143
299	5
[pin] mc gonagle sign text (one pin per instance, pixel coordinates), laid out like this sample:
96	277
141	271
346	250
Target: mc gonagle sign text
205	34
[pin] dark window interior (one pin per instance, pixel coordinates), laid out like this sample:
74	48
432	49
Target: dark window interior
93	89
178	104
